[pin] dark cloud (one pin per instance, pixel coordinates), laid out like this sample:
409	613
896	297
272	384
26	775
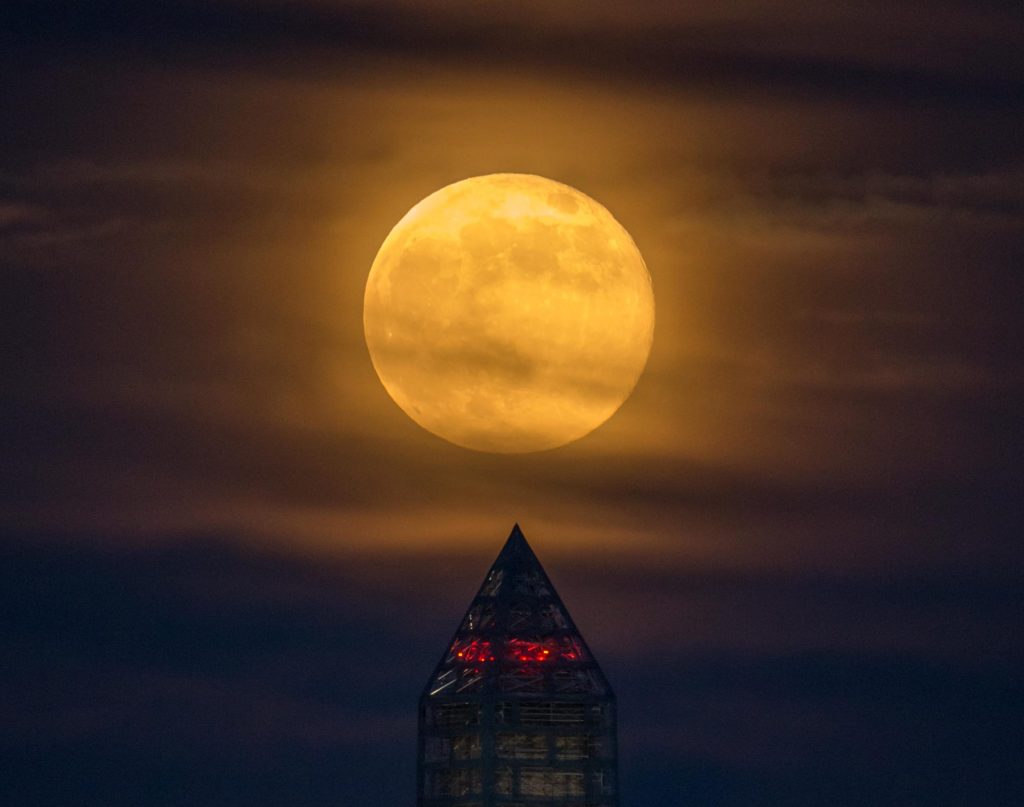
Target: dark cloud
790	51
201	672
796	546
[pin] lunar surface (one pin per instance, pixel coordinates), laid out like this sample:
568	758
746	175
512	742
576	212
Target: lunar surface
509	313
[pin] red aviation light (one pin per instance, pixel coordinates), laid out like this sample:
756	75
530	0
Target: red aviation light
473	651
527	651
522	651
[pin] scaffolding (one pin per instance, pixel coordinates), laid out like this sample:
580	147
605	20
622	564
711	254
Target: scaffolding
517	712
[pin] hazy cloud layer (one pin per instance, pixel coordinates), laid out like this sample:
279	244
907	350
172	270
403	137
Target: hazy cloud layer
946	52
206	674
192	263
812	495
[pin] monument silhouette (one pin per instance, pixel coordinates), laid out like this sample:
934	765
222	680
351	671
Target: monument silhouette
517	712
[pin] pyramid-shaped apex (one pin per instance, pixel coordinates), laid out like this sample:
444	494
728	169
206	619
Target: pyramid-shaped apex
517	636
516	548
516	573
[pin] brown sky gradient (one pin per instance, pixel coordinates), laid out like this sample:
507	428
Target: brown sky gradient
831	205
807	338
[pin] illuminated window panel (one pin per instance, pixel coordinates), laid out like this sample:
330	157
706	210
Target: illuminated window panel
551	783
521	746
573	747
465	747
552	713
582	747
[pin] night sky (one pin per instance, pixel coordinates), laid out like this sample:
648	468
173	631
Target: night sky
228	562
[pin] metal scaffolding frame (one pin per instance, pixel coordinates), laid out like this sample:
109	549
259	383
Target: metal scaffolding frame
517	712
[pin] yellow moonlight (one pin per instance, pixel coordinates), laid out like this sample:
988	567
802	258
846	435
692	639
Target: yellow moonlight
509	313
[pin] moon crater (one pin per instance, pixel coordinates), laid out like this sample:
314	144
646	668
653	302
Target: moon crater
509	313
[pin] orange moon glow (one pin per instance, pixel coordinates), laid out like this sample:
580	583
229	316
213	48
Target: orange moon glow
509	313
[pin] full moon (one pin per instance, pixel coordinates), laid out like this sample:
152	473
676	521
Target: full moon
509	313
